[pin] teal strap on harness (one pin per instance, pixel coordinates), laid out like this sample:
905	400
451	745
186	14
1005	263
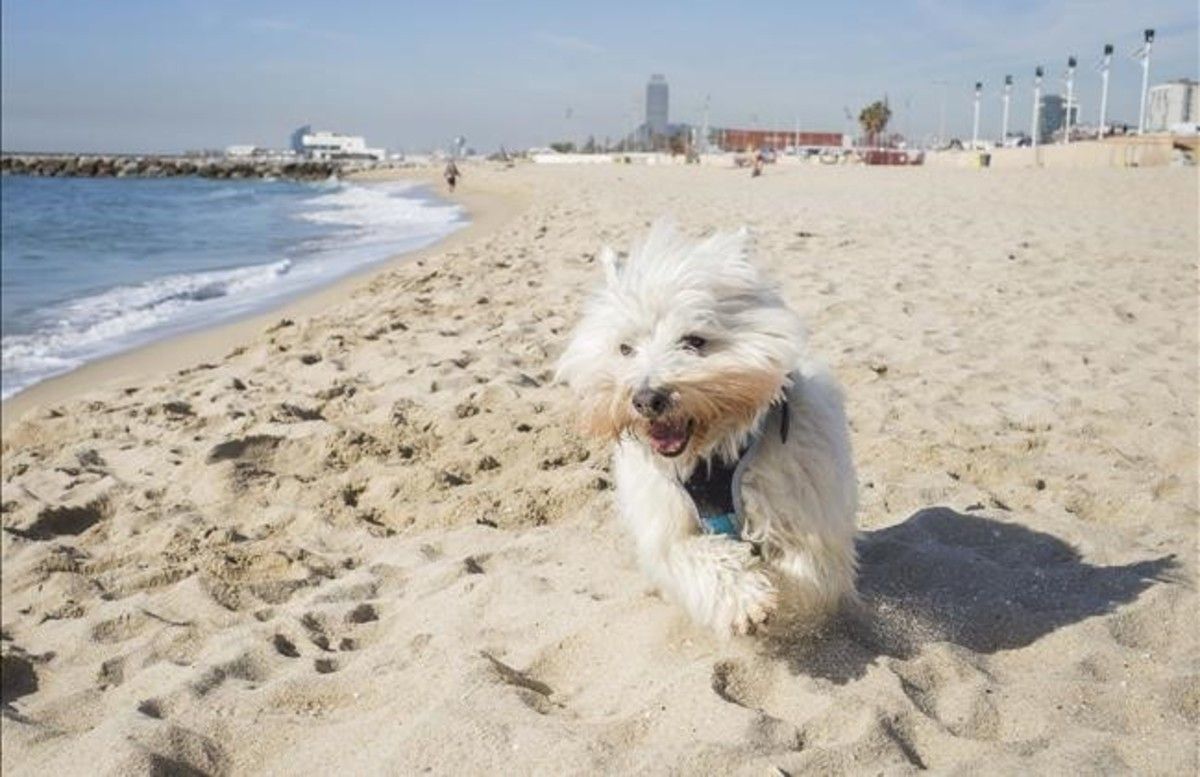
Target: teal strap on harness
725	523
713	488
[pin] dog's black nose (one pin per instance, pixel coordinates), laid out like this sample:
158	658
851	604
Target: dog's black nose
650	403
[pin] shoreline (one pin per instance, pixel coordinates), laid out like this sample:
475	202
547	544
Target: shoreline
486	210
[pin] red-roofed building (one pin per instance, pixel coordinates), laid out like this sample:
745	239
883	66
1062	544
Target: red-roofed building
731	139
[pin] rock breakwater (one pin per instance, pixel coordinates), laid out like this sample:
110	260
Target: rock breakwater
119	166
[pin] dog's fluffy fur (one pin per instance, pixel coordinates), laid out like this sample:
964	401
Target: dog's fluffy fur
697	323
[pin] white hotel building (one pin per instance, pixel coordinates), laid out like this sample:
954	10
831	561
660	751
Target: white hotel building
1174	107
332	145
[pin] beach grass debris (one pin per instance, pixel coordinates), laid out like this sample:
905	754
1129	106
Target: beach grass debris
516	677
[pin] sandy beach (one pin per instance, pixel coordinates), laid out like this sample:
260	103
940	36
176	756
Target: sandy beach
363	534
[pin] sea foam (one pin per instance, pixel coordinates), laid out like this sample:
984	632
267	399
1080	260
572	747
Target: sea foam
357	225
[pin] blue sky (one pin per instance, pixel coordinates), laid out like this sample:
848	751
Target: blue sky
167	76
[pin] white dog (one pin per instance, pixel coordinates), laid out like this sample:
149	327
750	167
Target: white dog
732	464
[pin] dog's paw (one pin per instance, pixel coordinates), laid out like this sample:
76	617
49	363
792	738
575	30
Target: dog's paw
720	583
751	603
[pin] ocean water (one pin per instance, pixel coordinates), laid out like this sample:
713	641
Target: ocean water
90	267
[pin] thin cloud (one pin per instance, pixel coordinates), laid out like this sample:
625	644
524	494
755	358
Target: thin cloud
272	25
568	43
295	28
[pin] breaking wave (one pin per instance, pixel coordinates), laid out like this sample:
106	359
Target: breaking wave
350	226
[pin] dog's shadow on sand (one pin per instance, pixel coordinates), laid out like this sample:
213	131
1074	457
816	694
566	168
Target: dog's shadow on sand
979	583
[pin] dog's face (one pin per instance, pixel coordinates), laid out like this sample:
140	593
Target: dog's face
684	346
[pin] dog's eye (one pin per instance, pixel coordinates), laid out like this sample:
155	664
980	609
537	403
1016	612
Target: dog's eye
626	349
693	342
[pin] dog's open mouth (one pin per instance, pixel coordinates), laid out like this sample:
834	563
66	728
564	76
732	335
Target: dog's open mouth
670	438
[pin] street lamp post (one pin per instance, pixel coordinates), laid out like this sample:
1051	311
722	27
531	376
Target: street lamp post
1104	65
975	123
1144	53
1037	100
1070	99
1004	121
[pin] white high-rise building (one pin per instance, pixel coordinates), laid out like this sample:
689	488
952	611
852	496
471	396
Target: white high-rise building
1173	106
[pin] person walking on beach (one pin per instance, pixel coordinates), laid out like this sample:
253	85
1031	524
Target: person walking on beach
759	160
451	175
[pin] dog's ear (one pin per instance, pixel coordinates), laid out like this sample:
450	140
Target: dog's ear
612	265
727	248
739	243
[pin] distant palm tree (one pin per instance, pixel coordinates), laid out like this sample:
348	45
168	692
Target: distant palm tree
874	120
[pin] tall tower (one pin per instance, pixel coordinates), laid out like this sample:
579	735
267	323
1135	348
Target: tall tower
297	139
656	105
1052	116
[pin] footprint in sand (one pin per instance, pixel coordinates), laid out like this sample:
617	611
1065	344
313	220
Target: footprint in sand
950	691
17	675
284	646
250	667
118	629
64	520
333	633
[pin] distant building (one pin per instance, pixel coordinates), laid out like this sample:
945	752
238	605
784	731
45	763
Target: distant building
1173	106
242	151
297	139
657	99
733	139
1052	116
333	145
246	151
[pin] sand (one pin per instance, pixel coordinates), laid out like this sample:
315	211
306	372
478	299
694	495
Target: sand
363	536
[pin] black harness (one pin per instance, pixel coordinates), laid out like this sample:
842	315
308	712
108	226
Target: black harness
711	488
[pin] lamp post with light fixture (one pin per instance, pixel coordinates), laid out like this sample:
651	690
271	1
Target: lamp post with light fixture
1070	99
975	123
1004	121
1144	55
1037	100
1104	65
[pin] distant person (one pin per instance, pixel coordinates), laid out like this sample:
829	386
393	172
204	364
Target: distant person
759	160
451	175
